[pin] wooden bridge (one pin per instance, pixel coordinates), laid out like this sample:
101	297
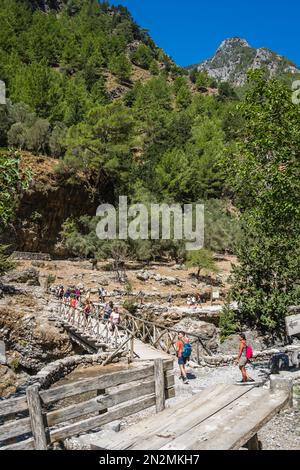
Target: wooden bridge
143	339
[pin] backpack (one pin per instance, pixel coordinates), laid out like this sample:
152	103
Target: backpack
249	352
187	350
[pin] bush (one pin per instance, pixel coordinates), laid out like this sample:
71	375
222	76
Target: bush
130	306
228	322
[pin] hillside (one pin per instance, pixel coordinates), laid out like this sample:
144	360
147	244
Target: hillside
235	57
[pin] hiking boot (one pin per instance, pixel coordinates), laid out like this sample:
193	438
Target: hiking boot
250	380
185	381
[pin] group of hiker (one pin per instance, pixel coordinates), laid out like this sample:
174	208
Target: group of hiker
193	300
74	298
184	350
110	313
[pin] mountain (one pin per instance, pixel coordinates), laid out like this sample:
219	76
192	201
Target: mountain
235	57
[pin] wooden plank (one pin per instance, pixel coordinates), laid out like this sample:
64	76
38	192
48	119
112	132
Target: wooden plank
232	426
15	428
159	385
95	422
142	435
23	445
13	405
105	381
110	399
36	417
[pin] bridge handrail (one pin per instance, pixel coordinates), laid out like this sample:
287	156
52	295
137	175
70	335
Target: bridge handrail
173	330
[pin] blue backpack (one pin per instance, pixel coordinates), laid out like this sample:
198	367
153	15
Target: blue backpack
187	350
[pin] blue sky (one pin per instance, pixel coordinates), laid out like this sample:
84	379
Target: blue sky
191	30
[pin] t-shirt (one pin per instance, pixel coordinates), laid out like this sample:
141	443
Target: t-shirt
179	346
115	317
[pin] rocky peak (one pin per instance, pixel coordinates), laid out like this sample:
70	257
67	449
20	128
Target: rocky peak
230	43
235	57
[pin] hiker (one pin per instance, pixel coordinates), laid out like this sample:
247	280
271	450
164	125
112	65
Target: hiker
67	295
183	349
107	311
102	293
77	294
61	292
244	356
73	301
170	298
87	308
114	318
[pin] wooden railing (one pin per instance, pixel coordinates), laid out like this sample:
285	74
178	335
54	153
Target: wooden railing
157	336
161	337
102	399
92	326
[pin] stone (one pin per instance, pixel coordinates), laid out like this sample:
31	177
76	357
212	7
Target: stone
30	276
278	383
207	332
169	281
113	426
143	276
231	344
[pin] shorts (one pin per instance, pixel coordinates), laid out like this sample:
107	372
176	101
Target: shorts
182	361
243	361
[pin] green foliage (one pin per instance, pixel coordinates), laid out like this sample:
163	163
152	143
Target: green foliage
6	263
143	56
120	66
264	172
10	182
228	322
202	260
131	306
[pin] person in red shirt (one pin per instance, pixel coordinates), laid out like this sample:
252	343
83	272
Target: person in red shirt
181	360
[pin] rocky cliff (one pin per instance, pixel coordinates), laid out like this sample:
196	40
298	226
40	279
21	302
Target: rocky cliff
52	198
235	57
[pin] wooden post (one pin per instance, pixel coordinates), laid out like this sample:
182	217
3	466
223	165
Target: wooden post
254	443
131	353
159	385
36	417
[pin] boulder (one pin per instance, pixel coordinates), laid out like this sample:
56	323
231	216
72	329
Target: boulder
231	344
169	281
143	276
30	277
207	332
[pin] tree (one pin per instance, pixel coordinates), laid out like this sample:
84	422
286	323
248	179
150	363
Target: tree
202	80
202	260
120	66
264	173
143	56
10	182
38	136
